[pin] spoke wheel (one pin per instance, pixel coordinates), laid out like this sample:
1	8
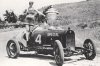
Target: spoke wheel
12	49
90	52
58	53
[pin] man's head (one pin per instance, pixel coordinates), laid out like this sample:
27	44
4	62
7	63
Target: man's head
31	3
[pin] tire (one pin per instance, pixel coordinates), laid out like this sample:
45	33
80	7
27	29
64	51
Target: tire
90	51
13	49
58	53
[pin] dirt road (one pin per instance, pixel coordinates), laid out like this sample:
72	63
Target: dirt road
40	60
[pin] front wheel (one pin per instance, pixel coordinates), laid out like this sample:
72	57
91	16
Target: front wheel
58	53
90	51
12	49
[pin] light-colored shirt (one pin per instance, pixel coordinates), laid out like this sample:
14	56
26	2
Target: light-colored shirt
31	10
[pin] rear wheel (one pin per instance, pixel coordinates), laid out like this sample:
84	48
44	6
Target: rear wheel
58	53
90	51
12	49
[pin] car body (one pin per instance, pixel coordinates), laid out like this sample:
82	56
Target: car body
57	42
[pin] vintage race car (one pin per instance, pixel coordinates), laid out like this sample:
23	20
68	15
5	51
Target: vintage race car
55	41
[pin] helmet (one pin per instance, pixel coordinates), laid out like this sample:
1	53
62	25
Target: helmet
52	10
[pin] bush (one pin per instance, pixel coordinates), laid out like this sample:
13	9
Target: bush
94	25
82	25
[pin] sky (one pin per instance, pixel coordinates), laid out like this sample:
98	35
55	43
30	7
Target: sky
18	6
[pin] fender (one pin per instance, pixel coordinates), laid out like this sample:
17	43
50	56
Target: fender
20	39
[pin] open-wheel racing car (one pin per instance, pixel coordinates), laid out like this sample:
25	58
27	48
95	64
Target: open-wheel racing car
59	43
55	41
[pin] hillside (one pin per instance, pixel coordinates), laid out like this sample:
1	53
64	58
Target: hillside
76	13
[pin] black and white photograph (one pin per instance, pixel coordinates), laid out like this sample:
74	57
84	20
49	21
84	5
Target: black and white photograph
49	32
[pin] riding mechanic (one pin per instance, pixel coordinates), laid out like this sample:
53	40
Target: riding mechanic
51	15
30	13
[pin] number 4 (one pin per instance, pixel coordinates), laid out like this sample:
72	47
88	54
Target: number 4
38	39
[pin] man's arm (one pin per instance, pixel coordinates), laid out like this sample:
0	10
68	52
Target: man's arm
39	12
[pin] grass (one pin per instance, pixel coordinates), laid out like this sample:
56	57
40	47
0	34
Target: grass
75	13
